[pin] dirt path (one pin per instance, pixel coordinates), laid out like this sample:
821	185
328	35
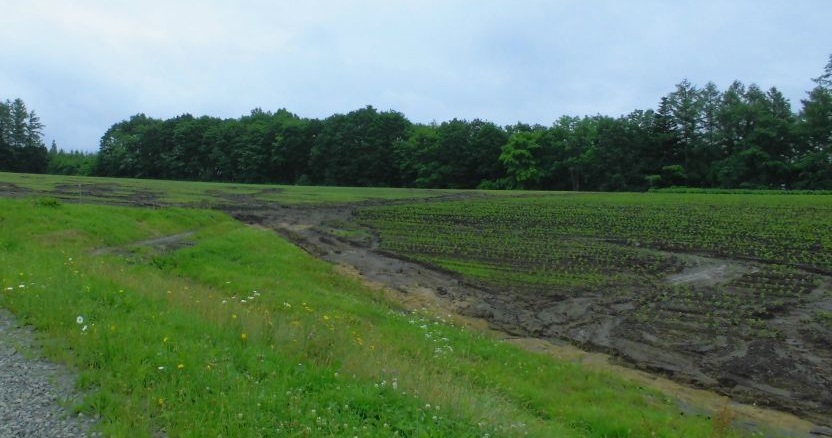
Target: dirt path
34	392
161	244
592	321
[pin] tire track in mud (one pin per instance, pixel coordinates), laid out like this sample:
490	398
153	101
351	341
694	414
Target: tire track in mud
558	325
160	244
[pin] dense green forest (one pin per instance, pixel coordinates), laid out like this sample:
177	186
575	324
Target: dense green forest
63	162
741	137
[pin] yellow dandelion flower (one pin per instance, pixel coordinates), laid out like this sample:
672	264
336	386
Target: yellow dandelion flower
243	336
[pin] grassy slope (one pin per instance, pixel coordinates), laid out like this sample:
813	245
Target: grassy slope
168	343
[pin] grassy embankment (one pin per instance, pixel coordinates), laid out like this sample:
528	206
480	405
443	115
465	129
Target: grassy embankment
242	334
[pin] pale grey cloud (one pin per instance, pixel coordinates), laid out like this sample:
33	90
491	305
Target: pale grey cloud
84	65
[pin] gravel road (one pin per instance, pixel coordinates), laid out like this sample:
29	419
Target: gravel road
34	392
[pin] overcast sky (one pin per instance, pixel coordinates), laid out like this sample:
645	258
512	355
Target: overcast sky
84	65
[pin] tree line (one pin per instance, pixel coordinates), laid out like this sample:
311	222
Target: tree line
740	137
743	137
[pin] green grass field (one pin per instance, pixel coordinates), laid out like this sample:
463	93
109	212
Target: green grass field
198	194
232	331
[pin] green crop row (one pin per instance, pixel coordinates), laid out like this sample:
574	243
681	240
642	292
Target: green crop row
628	245
613	229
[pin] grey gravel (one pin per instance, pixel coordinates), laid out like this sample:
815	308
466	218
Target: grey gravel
34	393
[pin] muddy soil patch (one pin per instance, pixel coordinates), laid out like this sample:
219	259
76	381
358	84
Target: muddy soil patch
110	194
159	245
10	190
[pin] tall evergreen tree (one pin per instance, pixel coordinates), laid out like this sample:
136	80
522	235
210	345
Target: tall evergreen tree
814	129
6	151
686	110
21	143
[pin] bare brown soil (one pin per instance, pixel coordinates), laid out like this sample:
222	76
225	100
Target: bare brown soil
791	372
9	190
110	194
161	244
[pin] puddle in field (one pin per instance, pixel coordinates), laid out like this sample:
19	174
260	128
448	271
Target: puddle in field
707	271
